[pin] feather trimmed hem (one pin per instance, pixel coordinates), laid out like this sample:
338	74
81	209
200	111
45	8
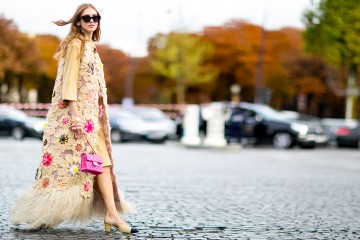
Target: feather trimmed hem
38	210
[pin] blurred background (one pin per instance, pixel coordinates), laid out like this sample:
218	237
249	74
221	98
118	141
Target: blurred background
299	58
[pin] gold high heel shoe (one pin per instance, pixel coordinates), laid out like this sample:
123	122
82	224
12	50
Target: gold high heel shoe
124	229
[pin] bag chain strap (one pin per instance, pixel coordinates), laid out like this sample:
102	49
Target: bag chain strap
90	143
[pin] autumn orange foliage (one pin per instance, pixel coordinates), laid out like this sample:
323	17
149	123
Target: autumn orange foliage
287	71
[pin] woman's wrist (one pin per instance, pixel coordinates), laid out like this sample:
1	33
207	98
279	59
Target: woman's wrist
75	119
75	123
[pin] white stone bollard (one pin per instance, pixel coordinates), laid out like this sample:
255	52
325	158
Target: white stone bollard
191	126
215	130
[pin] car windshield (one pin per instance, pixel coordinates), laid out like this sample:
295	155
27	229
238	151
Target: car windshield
13	114
149	113
269	113
121	114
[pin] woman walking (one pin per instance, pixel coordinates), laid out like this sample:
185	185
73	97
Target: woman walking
77	123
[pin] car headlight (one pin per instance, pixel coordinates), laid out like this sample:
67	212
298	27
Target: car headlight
302	129
39	127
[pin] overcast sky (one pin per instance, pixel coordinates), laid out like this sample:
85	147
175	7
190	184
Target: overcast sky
128	24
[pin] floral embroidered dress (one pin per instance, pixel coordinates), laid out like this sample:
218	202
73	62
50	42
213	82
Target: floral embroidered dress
61	192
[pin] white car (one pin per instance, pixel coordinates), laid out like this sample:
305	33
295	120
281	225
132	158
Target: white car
139	124
157	124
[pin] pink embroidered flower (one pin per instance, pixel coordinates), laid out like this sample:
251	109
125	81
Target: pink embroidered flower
86	186
89	126
78	147
45	183
47	159
65	121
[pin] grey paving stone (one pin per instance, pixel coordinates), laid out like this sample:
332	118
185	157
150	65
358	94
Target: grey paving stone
179	193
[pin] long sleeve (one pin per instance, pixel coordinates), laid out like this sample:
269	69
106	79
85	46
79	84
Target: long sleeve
71	71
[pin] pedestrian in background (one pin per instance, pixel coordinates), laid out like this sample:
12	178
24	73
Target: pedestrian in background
77	123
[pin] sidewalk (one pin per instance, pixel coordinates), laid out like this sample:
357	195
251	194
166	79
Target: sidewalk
184	193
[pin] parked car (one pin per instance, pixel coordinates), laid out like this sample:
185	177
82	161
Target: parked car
348	135
331	126
261	124
314	124
17	124
157	121
127	124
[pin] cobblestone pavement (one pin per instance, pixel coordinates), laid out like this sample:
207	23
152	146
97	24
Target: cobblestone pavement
179	193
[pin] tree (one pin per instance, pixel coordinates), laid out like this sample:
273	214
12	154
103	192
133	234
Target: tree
237	45
333	32
8	31
46	46
18	61
288	71
116	66
291	73
182	57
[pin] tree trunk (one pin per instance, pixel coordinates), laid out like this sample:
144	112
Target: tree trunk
351	93
180	81
180	91
20	88
259	87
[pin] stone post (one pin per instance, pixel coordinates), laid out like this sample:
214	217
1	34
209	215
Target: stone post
191	136
215	116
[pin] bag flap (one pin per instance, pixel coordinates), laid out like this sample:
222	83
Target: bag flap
93	158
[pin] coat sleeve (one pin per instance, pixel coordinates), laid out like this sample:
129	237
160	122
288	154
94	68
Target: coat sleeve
71	72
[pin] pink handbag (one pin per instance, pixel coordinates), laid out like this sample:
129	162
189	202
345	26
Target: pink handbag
91	163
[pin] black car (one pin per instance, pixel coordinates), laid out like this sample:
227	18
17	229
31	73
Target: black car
17	124
261	124
331	126
316	128
348	136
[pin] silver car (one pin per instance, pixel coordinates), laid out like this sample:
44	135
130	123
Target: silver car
140	124
157	124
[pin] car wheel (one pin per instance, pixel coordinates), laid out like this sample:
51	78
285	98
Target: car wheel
358	144
116	136
158	141
282	140
18	133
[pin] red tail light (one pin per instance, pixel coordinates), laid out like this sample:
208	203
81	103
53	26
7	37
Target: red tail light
342	131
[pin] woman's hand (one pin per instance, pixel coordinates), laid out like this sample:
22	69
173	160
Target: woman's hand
77	126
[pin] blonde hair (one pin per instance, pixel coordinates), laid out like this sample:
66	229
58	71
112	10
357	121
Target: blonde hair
75	31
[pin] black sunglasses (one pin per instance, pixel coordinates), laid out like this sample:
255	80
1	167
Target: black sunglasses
88	18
